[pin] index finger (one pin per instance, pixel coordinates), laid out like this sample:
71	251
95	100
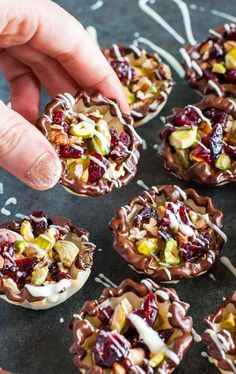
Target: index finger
62	37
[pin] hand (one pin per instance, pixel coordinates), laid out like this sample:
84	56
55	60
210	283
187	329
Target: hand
40	43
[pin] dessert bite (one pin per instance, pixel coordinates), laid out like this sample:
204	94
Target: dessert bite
168	234
220	336
198	142
147	81
134	328
95	141
210	66
43	261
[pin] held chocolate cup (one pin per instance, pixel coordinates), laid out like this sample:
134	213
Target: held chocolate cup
220	336
168	234
210	66
198	142
43	261
96	143
134	328
146	80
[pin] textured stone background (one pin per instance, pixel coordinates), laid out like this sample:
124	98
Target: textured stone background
36	342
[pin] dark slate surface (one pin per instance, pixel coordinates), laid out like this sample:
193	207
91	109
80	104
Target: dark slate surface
36	342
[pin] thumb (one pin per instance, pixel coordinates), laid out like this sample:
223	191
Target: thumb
25	152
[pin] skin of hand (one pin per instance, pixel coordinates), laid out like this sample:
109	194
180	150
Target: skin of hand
42	44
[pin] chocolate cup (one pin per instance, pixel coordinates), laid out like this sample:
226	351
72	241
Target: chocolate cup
177	319
146	112
104	186
201	84
143	264
200	172
83	264
213	351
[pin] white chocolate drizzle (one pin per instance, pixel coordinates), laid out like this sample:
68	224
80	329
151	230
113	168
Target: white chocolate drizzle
50	289
151	338
141	183
215	87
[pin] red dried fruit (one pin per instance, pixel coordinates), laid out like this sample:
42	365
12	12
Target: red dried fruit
21	269
110	348
193	251
183	214
214	140
188	116
119	145
216	116
201	154
67	151
144	215
40	224
210	76
148	309
123	70
105	315
97	169
59	119
230	151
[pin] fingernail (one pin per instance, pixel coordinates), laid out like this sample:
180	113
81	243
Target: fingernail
45	172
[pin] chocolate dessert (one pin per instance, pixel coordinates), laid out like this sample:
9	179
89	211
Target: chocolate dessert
134	328
95	141
198	142
168	234
43	261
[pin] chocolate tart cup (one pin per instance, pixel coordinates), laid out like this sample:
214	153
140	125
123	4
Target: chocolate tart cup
44	297
200	84
120	227
147	112
200	172
176	316
213	334
81	102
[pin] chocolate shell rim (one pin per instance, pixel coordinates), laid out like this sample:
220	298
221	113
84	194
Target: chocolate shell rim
90	308
82	263
103	186
198	171
154	107
142	263
227	89
221	363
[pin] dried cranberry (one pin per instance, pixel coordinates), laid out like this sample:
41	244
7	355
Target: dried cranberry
216	116
96	170
67	151
22	268
63	275
105	315
123	70
188	116
53	269
163	233
39	224
193	251
119	150
110	348
114	137
144	215
148	309
59	119
214	140
230	76
201	154
183	214
216	53
165	334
